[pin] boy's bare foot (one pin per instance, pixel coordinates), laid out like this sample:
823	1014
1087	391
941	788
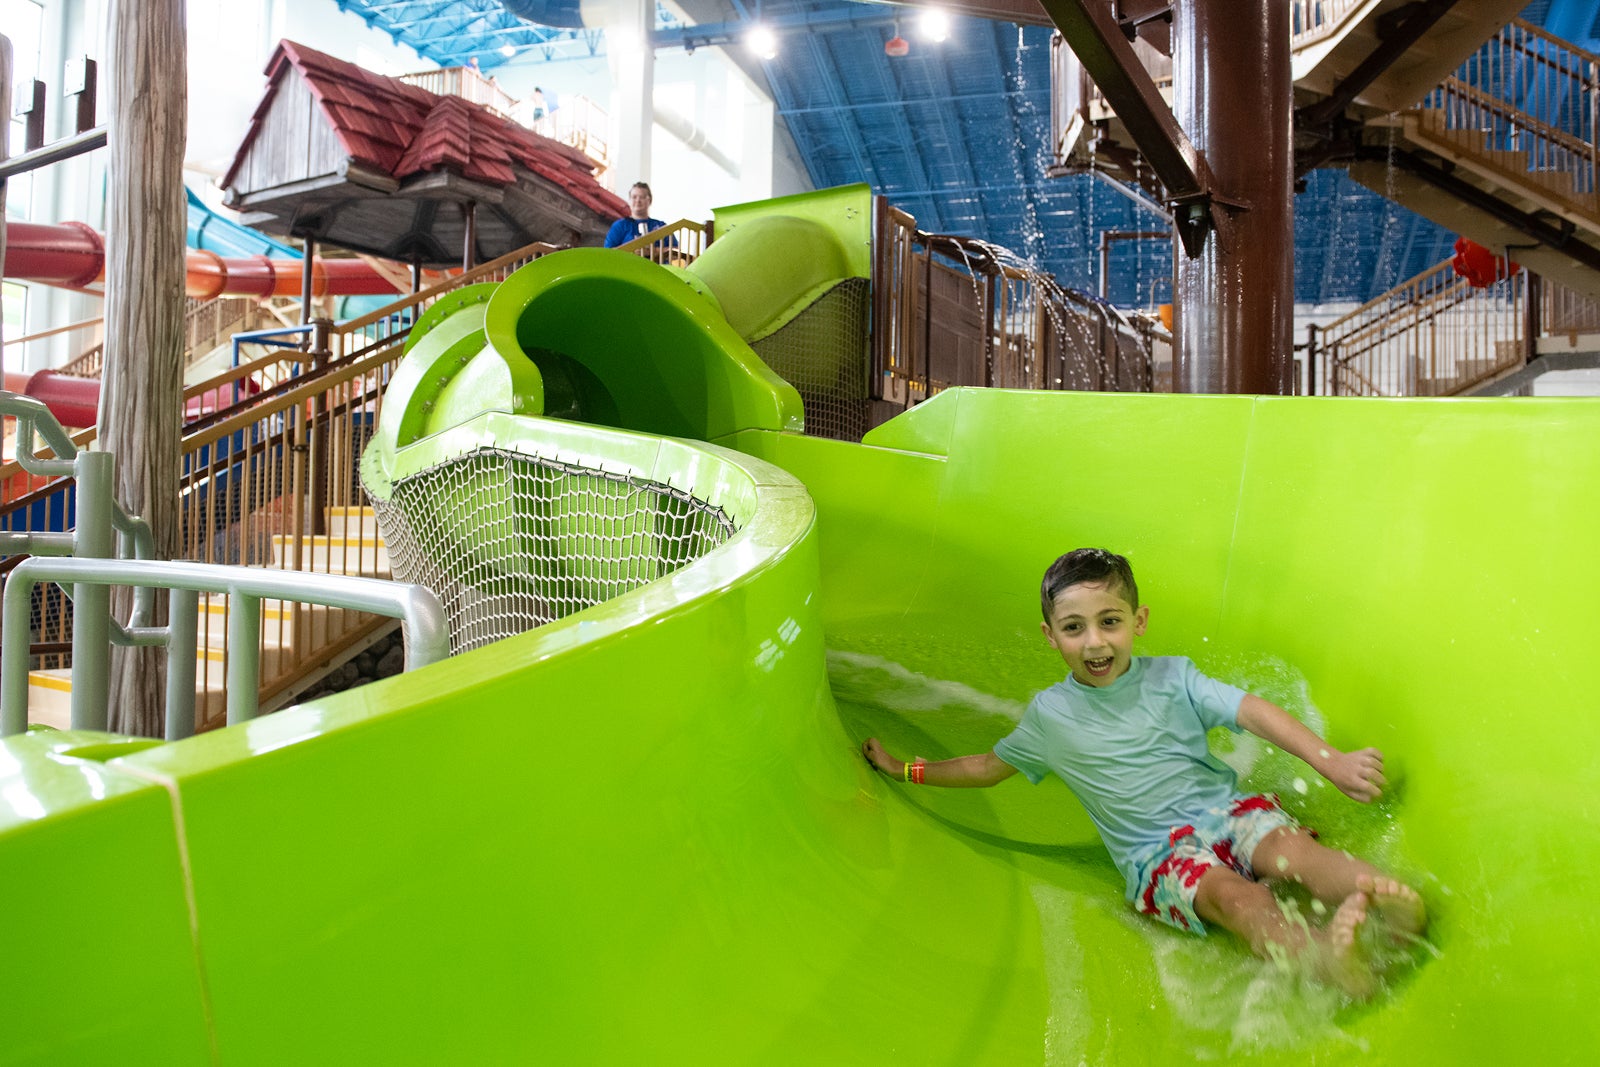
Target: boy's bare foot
1397	904
1343	962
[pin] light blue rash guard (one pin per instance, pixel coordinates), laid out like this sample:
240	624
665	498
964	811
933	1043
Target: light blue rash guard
1134	752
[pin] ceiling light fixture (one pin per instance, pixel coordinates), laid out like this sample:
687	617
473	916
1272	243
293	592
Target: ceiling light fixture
762	41
508	50
934	24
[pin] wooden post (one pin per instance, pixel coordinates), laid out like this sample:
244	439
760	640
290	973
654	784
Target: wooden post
308	268
141	391
5	141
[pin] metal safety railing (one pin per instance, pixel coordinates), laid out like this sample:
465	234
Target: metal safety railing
1432	335
1311	21
427	639
678	243
954	311
1523	107
93	525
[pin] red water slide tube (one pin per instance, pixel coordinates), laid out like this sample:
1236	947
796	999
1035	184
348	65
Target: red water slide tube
72	255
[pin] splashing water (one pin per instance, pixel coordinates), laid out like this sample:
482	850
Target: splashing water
1224	1000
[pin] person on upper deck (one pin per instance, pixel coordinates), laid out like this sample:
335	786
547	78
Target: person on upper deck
639	222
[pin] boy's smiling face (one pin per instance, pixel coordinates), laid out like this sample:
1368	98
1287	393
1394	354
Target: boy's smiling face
1093	626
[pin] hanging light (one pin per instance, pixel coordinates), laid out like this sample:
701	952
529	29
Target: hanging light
508	50
762	41
897	45
934	24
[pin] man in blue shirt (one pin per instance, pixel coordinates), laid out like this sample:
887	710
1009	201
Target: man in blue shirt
1128	736
637	224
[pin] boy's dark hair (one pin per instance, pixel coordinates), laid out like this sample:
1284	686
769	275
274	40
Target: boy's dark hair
642	185
1091	565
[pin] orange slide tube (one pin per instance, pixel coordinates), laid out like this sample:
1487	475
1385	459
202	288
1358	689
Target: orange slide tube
72	255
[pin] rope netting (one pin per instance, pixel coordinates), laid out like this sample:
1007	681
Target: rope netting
509	541
823	354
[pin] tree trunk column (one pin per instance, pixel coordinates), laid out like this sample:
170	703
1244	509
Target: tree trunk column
1233	96
5	118
141	389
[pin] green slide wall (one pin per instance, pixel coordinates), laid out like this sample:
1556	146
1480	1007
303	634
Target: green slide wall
644	833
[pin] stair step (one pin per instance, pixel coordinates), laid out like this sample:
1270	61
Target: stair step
50	697
325	553
317	621
1504	172
353	521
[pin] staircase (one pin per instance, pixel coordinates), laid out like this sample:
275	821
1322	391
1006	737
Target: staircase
1462	113
1503	151
252	477
352	546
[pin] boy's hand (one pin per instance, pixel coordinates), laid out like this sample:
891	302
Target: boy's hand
1359	774
879	757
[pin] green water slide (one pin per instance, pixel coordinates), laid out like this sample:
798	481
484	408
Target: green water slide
643	832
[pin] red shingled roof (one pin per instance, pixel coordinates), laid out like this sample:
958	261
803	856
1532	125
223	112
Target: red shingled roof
404	130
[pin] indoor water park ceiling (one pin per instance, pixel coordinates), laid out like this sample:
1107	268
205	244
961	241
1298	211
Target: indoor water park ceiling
957	132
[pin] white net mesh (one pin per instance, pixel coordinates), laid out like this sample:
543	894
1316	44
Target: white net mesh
510	541
823	353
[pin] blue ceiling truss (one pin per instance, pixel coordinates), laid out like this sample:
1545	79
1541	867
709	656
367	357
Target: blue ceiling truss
957	134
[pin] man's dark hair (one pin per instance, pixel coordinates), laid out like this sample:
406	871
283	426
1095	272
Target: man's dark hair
642	185
1092	565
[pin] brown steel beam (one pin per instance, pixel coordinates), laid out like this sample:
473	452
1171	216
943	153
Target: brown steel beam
1102	46
1562	237
1107	54
1026	12
1397	32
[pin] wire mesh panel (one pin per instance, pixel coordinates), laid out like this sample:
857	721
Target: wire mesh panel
823	354
509	541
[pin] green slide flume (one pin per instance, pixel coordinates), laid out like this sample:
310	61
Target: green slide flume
644	832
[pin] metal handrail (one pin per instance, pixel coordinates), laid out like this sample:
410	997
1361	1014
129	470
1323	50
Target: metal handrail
65	461
1434	329
424	629
679	242
1312	20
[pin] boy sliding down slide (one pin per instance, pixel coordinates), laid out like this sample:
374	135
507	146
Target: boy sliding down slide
1128	736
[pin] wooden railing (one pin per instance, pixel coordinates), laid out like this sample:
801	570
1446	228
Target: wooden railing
951	311
1524	106
206	324
1432	335
468	83
1311	21
268	460
679	243
578	121
92	354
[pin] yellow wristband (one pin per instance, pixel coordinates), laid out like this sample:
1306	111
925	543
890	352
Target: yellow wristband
905	775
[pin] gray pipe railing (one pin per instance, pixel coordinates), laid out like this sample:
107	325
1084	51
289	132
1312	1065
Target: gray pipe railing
424	628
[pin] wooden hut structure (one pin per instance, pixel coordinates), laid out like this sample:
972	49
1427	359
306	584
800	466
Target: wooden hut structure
343	156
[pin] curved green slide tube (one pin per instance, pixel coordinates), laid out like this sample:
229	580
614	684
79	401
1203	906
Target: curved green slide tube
644	833
619	341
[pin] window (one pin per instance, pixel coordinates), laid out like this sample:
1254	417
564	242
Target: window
14	304
23	21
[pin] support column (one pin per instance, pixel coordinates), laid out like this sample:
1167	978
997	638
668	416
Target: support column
141	389
1233	96
628	26
5	141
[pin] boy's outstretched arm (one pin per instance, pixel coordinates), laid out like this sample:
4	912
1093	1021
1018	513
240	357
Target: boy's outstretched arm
1358	774
963	772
